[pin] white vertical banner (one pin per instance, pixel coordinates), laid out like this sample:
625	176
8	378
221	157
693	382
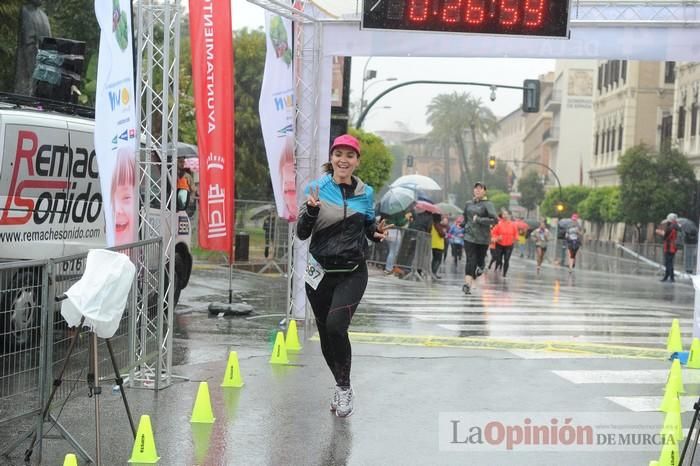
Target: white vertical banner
276	109
115	121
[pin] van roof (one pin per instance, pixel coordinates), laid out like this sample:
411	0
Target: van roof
10	101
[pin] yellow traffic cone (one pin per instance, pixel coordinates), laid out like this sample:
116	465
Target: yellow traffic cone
279	351
202	406
144	450
673	425
232	377
70	460
292	342
694	356
673	342
671	401
675	380
669	454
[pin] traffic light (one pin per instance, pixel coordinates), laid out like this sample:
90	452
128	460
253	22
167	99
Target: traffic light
531	96
492	162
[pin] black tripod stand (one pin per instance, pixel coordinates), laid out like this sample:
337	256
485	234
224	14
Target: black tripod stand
94	390
693	433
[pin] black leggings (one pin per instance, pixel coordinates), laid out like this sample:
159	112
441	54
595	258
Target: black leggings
504	257
475	254
334	302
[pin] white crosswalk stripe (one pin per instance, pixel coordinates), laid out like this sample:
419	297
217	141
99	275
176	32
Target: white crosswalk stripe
631	378
528	313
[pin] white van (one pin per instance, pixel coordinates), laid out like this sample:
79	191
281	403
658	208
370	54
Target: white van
51	206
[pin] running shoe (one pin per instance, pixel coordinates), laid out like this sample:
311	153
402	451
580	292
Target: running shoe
465	289
334	398
344	407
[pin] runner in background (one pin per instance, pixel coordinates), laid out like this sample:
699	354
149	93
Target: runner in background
479	215
574	235
505	234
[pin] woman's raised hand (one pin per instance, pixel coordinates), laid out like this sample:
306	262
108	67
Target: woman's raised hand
382	230
312	199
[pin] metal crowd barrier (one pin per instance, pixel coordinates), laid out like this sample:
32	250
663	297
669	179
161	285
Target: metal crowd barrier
34	351
414	255
262	238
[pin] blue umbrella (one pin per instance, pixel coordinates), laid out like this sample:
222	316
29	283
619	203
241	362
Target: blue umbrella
396	200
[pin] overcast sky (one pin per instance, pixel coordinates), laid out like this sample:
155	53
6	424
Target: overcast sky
408	104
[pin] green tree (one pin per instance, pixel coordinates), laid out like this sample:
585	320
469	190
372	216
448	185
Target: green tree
252	170
601	205
500	199
571	197
376	161
531	190
9	27
653	184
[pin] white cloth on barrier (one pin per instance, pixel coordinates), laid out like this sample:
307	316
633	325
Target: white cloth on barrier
101	294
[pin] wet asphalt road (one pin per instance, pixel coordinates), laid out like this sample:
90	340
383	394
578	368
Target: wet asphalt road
408	392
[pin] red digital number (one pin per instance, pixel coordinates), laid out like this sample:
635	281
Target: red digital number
534	13
418	10
475	11
450	11
509	12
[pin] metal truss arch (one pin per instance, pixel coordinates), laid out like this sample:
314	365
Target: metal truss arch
158	46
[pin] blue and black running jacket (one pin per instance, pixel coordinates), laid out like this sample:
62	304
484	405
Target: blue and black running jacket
338	227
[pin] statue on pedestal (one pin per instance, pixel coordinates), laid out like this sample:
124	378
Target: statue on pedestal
33	26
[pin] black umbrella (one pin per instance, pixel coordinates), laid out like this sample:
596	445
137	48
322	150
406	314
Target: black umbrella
688	226
186	150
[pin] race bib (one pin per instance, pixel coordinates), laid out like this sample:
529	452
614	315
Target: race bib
314	272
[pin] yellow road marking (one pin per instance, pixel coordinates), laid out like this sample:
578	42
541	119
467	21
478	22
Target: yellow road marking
497	344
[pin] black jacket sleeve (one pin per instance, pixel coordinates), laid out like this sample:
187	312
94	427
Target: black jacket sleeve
306	220
370	229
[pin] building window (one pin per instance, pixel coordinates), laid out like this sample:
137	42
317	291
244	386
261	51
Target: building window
694	119
616	72
624	71
612	139
602	141
610	136
595	144
607	75
666	131
670	72
681	122
619	137
600	79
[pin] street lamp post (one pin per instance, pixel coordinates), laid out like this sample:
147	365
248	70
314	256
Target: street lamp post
364	110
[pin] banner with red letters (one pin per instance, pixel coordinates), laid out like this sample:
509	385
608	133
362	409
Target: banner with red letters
212	74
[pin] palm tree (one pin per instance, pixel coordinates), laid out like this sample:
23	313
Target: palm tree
450	115
481	122
446	117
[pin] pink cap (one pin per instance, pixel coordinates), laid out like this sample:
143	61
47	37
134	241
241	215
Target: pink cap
347	141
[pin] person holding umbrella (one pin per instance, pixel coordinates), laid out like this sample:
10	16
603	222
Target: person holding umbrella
669	231
338	215
479	215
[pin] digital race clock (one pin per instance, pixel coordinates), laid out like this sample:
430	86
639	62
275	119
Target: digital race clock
512	17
